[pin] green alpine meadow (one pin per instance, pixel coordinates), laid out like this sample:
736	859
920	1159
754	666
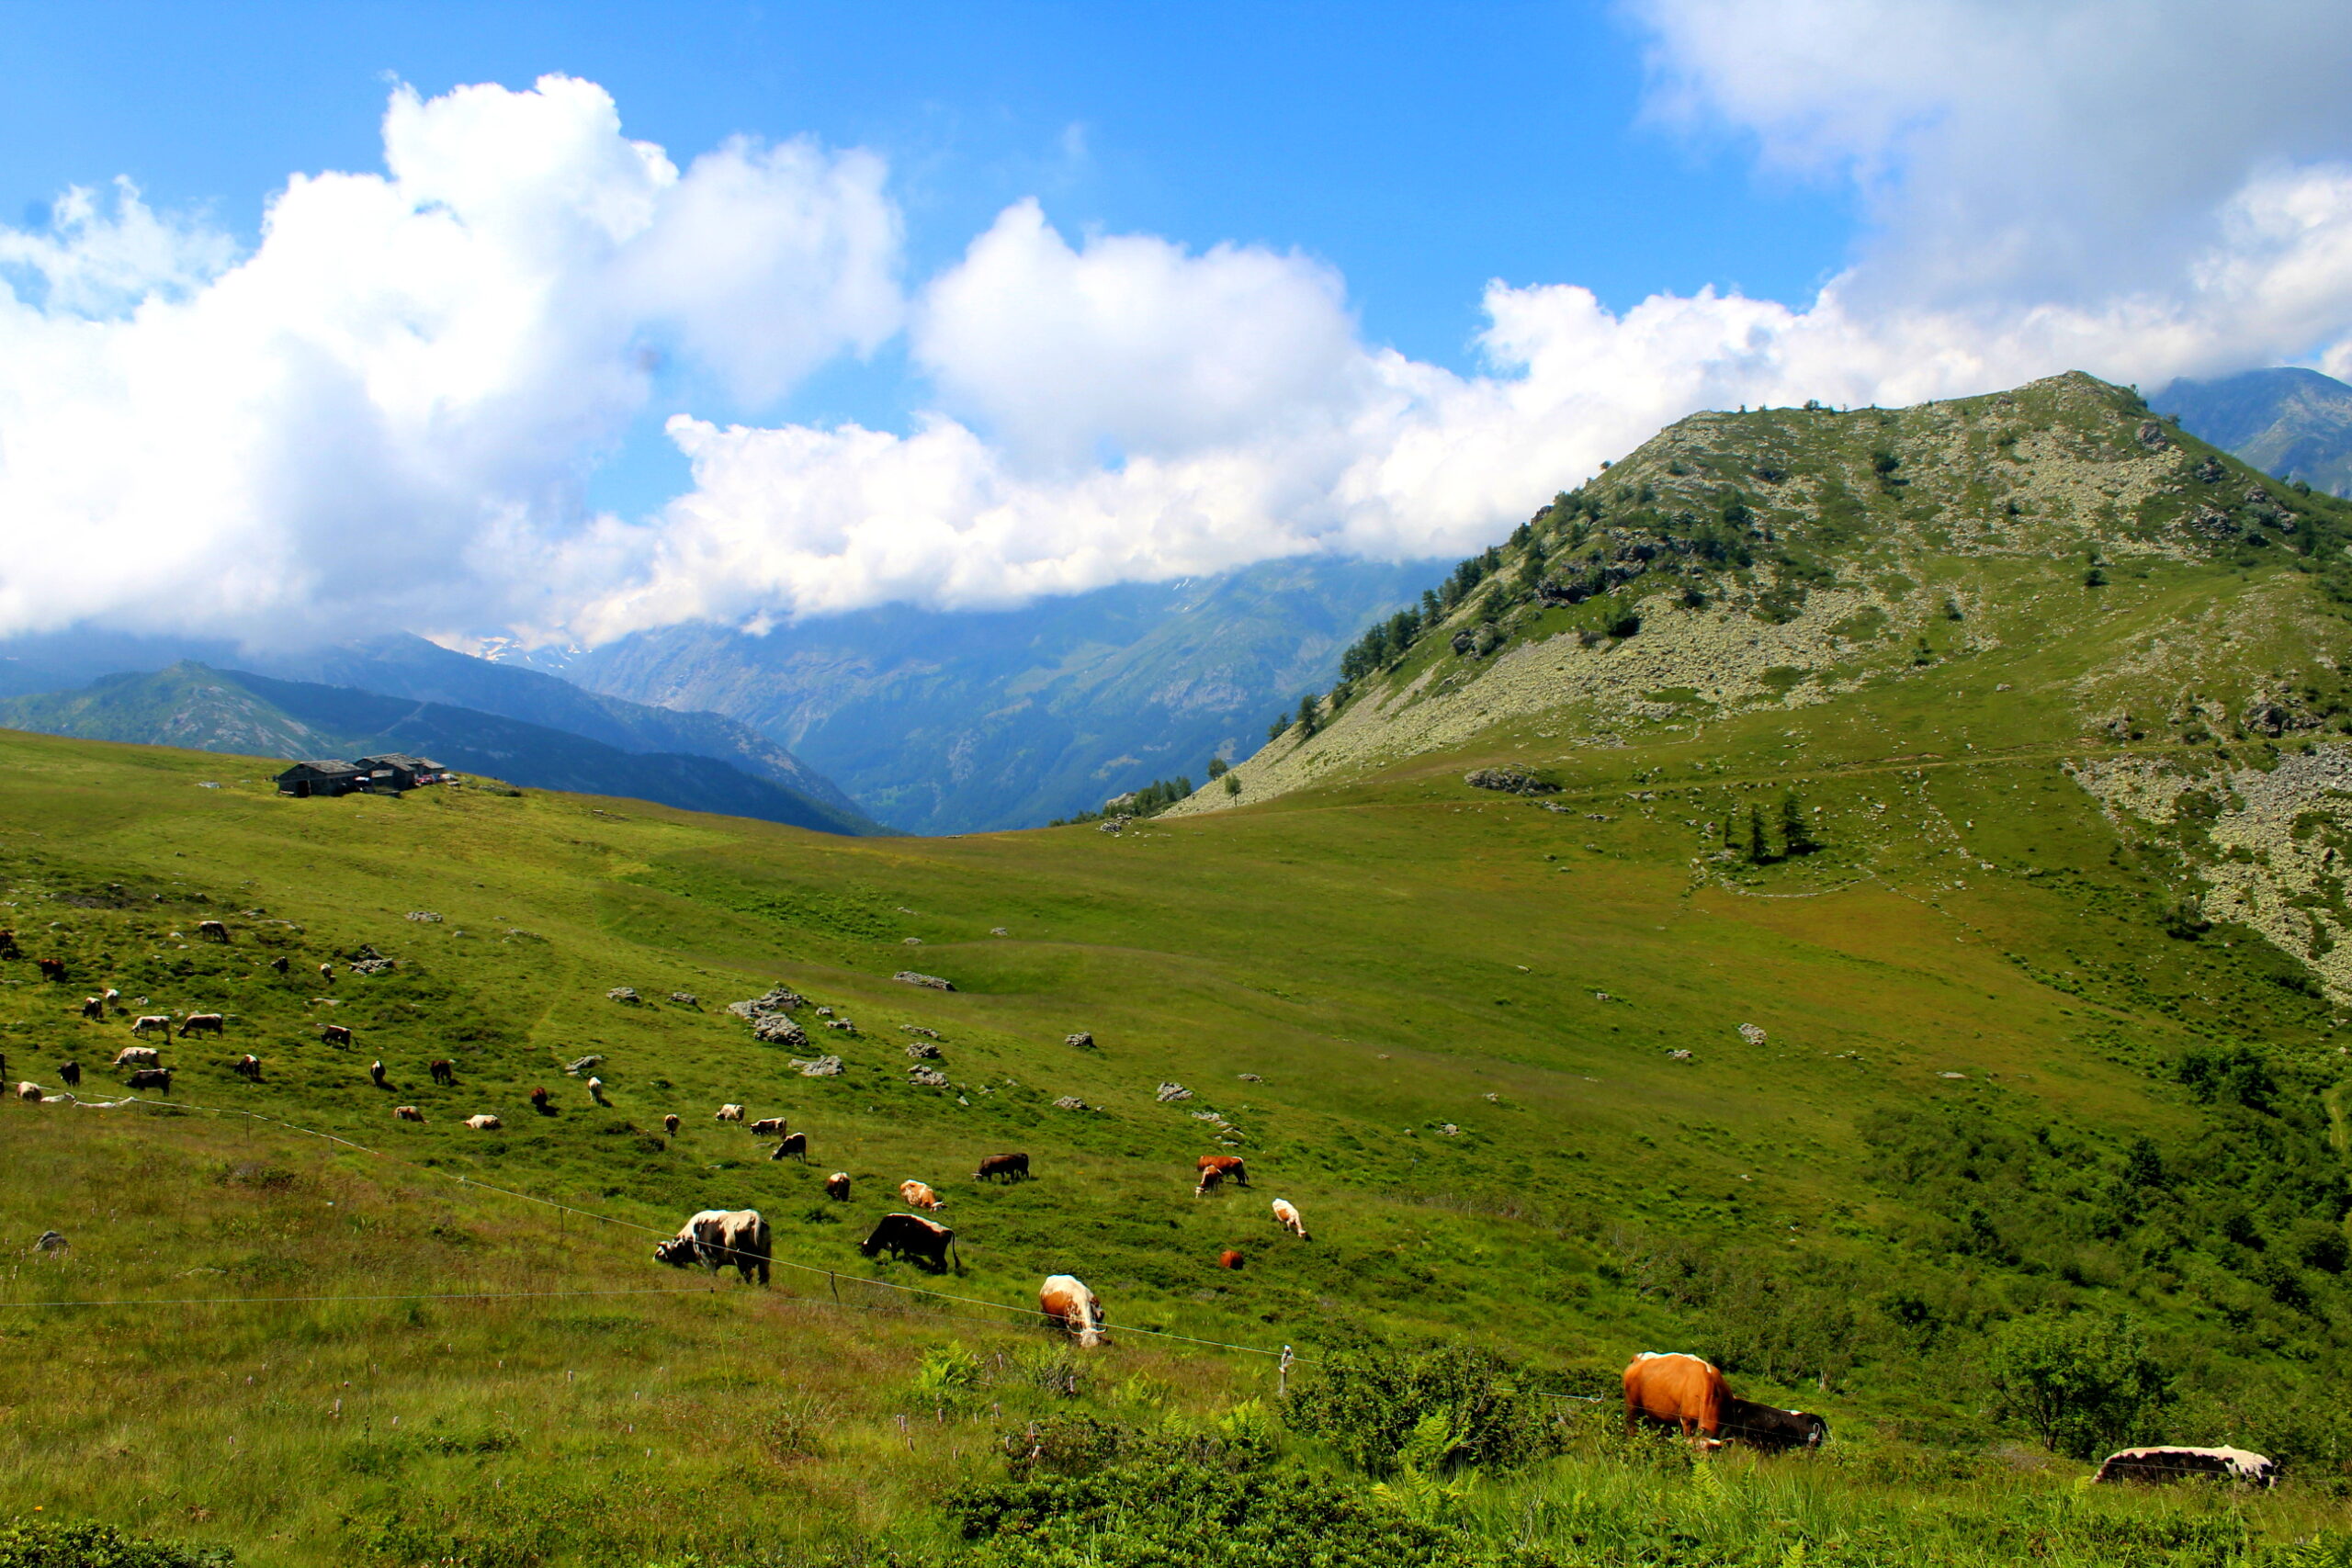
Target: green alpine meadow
1857	898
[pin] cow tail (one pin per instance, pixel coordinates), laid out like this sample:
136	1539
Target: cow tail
957	1258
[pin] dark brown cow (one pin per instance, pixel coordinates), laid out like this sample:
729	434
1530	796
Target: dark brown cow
1010	1168
334	1033
94	1008
151	1077
376	1075
927	1242
539	1098
443	1073
1228	1258
670	1124
50	968
202	1023
327	972
70	1071
278	964
837	1187
8	945
794	1146
247	1067
1217	1169
1677	1390
212	930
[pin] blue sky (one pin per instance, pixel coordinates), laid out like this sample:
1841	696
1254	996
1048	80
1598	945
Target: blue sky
1052	297
1421	149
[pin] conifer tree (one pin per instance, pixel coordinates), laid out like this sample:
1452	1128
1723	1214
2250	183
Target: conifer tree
1760	849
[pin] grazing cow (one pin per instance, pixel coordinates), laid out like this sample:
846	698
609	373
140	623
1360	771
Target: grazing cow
1011	1167
94	1008
730	1112
146	1021
597	1092
1228	1258
51	968
927	1242
442	1072
794	1146
539	1098
1769	1427
247	1067
113	998
2159	1465
138	1056
837	1187
28	1091
278	964
485	1123
327	972
202	1023
768	1127
1677	1390
407	1114
212	930
1286	1217
670	1124
376	1075
72	1073
716	1237
334	1033
151	1077
915	1195
1066	1302
1217	1169
8	945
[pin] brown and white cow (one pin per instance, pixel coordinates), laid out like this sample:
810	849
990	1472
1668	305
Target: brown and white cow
597	1092
769	1127
203	1023
31	1091
278	964
916	1195
729	1112
1216	1170
137	1057
837	1187
1065	1301
247	1067
1006	1167
1287	1215
146	1021
212	930
151	1077
716	1237
1677	1390
485	1123
2160	1465
376	1075
670	1124
795	1145
442	1073
94	1008
407	1114
50	968
334	1033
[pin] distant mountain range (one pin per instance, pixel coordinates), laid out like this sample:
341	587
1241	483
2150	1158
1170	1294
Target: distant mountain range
2291	422
195	705
942	722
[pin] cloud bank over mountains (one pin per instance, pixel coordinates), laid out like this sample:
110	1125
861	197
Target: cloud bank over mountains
383	413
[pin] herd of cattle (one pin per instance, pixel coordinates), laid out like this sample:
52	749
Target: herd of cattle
1662	1389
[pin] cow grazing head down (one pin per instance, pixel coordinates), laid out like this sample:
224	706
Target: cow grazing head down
670	1124
837	1187
1065	1300
677	1251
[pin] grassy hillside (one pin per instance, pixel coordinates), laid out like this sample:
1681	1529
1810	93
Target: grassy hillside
234	711
1988	1087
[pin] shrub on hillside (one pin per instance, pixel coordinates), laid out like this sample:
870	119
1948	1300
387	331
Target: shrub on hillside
1451	1405
2081	1385
41	1543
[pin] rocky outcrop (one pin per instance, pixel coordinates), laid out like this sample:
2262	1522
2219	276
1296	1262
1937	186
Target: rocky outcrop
1083	1040
929	982
775	1029
1510	779
624	993
780	998
1168	1092
822	1068
923	1050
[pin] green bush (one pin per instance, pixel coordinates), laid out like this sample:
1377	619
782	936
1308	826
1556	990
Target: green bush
2081	1385
42	1543
1450	1405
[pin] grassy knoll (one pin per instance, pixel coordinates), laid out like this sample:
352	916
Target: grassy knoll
1455	1011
